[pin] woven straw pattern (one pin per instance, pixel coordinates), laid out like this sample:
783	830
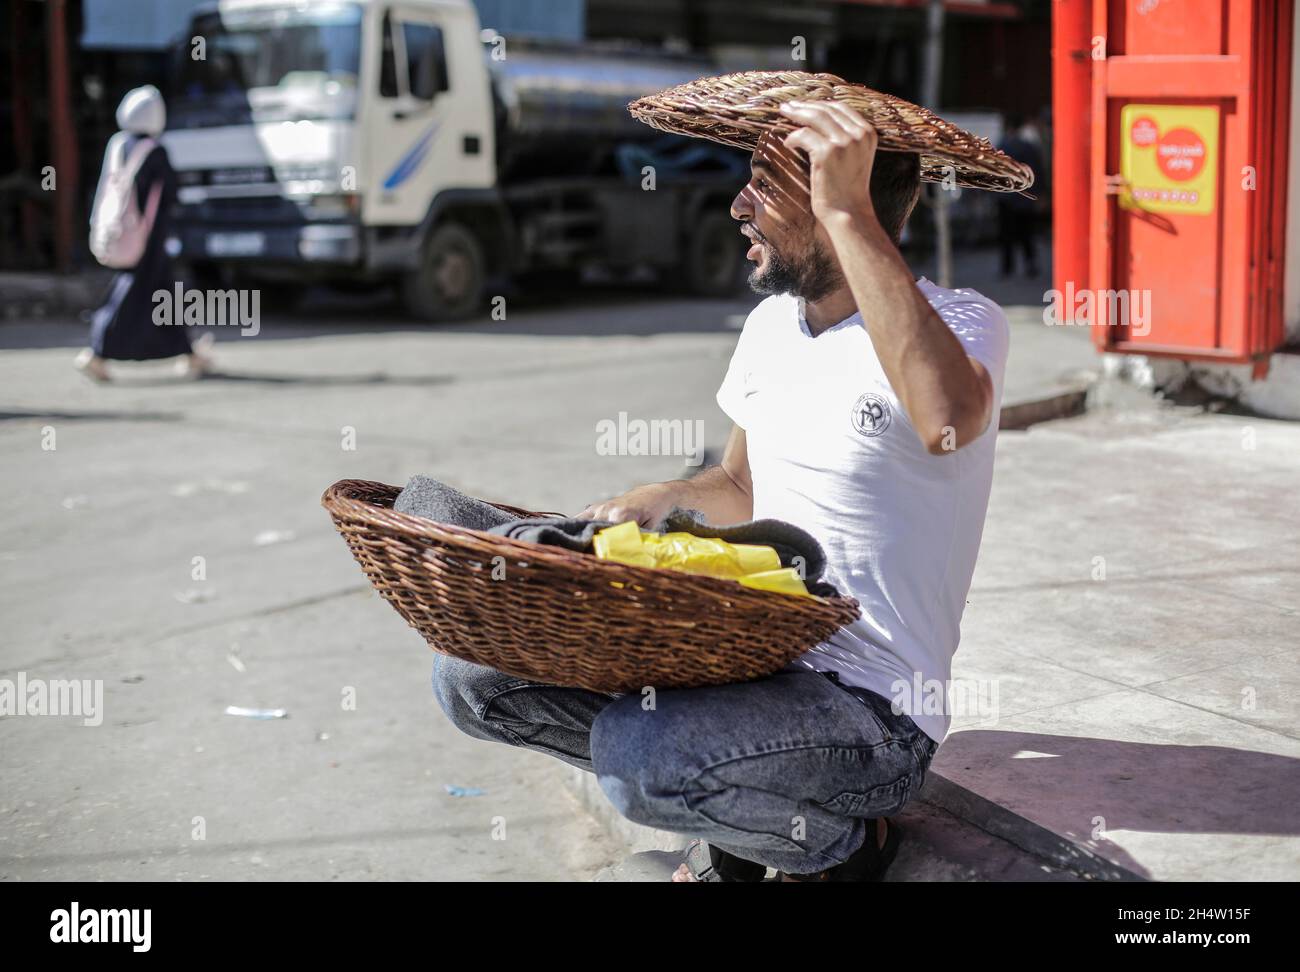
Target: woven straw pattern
557	616
736	109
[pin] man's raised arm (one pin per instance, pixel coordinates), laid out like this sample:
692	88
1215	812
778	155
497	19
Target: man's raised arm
947	394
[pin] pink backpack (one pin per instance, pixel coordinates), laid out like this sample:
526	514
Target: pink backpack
119	232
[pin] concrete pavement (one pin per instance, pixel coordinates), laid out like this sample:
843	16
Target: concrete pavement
1135	606
1119	741
99	539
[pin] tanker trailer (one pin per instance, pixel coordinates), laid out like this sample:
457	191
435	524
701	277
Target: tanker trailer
358	142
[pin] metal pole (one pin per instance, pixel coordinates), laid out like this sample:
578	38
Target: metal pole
21	68
63	136
930	88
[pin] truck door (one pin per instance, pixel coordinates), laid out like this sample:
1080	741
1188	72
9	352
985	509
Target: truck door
413	149
1187	173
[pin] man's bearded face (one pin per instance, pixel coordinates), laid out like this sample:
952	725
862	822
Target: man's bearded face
790	250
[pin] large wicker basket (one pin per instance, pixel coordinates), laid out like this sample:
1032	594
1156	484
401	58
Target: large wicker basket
556	616
736	109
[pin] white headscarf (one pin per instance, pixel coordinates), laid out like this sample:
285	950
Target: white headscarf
142	112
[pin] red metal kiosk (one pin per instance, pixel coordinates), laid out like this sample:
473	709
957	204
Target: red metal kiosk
1171	125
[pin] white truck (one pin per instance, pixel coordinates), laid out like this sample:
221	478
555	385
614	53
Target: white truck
373	141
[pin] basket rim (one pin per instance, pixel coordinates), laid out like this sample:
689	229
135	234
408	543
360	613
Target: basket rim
340	501
709	107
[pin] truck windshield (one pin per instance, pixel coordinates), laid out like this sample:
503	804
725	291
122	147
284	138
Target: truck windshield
267	64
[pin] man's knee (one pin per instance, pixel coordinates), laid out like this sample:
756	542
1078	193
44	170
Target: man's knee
637	763
458	685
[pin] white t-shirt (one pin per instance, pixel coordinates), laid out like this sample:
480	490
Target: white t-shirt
832	450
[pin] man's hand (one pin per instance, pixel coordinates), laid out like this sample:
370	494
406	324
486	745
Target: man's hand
841	147
723	493
648	505
948	395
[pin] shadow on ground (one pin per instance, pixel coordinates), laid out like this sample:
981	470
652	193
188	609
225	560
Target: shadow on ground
1078	786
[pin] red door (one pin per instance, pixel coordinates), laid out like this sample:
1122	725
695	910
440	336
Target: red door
1185	177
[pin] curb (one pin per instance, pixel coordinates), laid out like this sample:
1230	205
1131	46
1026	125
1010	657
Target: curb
1063	404
634	838
52	295
997	820
1034	852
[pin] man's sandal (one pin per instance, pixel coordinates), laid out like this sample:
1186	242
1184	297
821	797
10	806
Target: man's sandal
708	863
868	863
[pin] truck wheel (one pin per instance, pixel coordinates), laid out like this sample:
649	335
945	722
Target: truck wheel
276	296
282	296
205	275
714	264
449	282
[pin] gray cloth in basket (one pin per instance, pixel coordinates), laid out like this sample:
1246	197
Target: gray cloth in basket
437	501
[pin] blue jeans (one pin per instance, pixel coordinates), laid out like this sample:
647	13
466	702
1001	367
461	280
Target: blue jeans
789	770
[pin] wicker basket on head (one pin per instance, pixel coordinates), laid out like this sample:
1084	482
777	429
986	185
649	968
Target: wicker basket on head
736	109
553	615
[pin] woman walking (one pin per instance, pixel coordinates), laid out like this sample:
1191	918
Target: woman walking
123	327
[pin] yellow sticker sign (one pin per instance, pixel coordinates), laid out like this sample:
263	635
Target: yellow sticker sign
1169	158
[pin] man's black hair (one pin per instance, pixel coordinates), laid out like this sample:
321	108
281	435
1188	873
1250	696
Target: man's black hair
895	188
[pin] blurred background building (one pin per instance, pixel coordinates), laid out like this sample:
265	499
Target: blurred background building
67	64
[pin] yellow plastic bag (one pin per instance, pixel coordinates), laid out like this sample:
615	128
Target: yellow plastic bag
751	564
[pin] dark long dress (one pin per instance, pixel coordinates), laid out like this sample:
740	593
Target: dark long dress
123	328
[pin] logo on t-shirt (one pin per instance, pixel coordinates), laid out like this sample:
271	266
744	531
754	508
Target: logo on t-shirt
871	414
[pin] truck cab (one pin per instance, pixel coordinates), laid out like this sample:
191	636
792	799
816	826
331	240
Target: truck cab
377	141
311	141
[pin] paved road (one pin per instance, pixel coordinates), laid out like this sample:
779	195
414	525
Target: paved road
1122	697
97	544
